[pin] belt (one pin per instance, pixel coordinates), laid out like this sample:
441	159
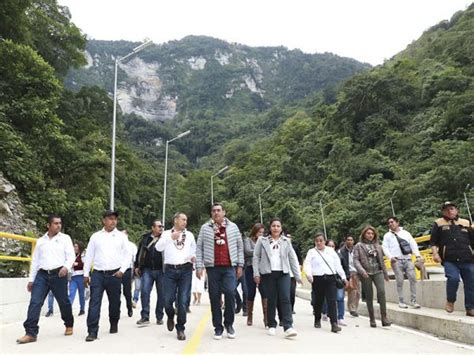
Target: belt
178	266
52	271
107	272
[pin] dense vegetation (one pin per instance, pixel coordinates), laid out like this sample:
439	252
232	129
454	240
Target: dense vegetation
406	126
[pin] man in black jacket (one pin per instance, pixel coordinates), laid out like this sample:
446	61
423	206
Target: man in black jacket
149	265
452	243
353	292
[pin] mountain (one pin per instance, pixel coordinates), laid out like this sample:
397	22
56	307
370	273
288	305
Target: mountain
201	73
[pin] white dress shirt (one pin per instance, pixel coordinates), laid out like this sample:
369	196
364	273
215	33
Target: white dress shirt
391	247
132	253
176	252
107	251
314	264
275	257
51	253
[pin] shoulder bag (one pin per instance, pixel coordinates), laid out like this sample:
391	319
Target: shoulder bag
339	281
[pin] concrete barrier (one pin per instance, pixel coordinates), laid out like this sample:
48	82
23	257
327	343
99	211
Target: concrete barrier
14	300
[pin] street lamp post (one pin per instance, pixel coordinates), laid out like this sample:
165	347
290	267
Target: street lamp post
322	217
391	203
467	203
260	202
114	118
212	182
163	221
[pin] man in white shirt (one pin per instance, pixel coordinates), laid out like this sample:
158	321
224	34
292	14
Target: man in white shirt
108	251
52	259
179	254
401	262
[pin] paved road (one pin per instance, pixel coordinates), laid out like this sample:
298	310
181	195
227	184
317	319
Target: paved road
357	337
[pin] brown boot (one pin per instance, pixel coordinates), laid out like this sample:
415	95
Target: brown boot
385	321
265	311
249	312
449	307
372	318
26	339
68	331
470	312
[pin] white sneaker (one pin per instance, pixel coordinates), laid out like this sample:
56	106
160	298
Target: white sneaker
402	305
414	305
290	332
271	331
341	323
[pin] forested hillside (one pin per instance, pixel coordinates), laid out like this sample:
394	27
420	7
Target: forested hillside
405	126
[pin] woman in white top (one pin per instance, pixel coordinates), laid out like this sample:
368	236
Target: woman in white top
321	265
273	259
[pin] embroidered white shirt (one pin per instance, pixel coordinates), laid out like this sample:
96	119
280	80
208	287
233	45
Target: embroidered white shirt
275	257
176	252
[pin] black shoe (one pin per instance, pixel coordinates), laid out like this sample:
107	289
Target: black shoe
181	335
81	313
244	314
230	332
354	314
170	323
113	328
280	324
335	328
317	323
293	312
143	322
159	321
91	337
218	334
188	310
130	312
238	308
49	314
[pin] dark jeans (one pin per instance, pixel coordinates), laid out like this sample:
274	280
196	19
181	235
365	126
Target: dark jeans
177	286
292	293
101	282
149	277
238	300
277	284
127	287
252	286
340	304
454	271
324	287
222	280
42	284
77	284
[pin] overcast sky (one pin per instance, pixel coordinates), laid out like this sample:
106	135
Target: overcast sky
367	30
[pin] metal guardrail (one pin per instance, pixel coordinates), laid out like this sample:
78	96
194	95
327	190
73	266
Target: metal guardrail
20	238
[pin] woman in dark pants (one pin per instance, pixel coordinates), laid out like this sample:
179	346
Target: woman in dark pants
368	260
249	246
321	265
273	259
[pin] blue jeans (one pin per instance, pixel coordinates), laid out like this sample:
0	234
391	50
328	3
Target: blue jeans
340	304
112	285
278	285
149	277
77	284
177	286
222	280
42	284
51	302
454	271
136	291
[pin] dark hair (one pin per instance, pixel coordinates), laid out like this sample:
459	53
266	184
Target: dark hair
392	217
155	221
348	236
217	204
319	234
255	228
274	219
51	217
331	240
80	245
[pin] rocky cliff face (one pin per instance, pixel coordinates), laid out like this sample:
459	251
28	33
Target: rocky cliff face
201	73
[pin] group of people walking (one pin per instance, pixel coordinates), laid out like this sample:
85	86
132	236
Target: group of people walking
270	264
